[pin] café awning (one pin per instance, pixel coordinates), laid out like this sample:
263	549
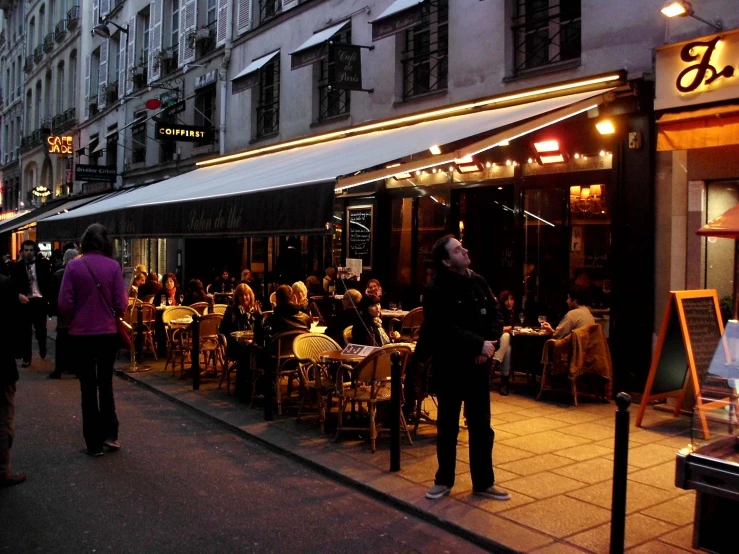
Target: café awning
701	128
291	191
249	76
725	226
399	16
314	48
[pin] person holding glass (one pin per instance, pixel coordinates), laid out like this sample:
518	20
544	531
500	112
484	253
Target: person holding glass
170	293
578	300
300	299
502	356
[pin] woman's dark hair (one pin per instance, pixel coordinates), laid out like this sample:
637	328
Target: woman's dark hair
170	276
579	294
504	296
195	285
95	239
368	301
439	253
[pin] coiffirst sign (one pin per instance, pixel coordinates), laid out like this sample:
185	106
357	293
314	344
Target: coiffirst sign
698	71
187	133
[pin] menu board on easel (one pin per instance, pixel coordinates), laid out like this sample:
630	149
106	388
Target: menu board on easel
359	234
690	334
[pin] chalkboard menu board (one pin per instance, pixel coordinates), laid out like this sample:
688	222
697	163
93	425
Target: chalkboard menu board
359	234
702	320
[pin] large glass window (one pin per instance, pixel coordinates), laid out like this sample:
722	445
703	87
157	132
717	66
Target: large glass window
719	253
333	102
138	138
205	108
268	9
268	106
426	50
545	32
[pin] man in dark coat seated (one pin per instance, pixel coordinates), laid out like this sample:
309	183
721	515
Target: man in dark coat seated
287	315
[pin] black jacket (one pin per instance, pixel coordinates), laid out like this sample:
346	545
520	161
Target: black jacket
365	331
460	312
21	282
9	307
287	317
345	318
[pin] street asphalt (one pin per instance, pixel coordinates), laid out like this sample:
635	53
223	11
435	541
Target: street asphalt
180	484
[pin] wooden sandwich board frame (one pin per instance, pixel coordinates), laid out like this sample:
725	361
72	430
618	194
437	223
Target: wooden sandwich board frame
691	373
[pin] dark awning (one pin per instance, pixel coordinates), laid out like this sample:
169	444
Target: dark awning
249	76
399	16
315	48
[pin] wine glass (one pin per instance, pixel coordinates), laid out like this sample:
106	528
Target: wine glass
181	298
391	306
541	319
169	301
521	317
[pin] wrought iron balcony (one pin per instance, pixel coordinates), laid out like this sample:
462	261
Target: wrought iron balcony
111	93
49	42
73	18
28	66
115	4
269	9
38	53
57	123
60	31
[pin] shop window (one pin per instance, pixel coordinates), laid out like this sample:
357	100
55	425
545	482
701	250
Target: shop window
333	102
111	147
719	254
268	106
545	32
426	50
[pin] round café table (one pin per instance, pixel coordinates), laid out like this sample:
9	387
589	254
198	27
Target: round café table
526	350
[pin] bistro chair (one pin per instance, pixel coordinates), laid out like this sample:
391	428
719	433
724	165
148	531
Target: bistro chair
200	307
314	376
219	308
410	326
175	337
370	383
149	314
149	298
281	355
210	345
347	335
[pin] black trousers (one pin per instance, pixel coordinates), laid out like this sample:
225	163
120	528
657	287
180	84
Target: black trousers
63	360
470	385
33	317
95	355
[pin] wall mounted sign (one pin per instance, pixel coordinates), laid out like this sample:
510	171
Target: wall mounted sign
386	26
84	172
60	145
698	71
359	234
184	133
346	73
207	79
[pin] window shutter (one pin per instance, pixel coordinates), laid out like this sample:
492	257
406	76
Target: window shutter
103	73
222	24
188	26
122	65
288	4
155	40
95	12
131	54
104	8
88	67
243	18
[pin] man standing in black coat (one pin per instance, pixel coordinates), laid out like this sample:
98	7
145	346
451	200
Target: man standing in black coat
461	322
8	379
31	277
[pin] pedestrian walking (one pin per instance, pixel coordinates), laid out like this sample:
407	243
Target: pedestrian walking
8	380
31	277
461	321
91	297
63	360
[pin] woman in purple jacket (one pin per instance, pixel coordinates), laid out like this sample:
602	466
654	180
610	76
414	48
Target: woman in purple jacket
93	333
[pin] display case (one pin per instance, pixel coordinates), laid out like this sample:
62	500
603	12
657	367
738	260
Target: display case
710	464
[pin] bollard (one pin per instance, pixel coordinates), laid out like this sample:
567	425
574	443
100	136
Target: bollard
139	337
269	372
620	461
395	394
195	354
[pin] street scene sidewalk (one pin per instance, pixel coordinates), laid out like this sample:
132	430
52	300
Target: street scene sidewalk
556	460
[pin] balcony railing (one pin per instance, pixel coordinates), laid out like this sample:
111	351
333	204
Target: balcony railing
49	42
60	31
269	9
115	4
28	66
73	18
64	121
38	53
111	93
169	65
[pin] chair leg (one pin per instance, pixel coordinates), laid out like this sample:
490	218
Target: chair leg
404	427
340	419
543	382
573	384
373	427
278	394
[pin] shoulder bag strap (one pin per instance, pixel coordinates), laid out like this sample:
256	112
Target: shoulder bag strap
100	289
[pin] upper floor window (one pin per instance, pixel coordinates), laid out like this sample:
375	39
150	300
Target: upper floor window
545	32
268	103
333	102
268	9
211	13
426	50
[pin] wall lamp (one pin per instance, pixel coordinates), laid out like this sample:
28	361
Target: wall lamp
101	29
683	8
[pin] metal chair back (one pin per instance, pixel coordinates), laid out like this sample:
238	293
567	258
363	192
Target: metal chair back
200	307
347	335
219	308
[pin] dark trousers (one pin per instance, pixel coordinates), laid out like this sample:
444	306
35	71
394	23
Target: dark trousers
7	425
33	317
63	360
95	355
471	386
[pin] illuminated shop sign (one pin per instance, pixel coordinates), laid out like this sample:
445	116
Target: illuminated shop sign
186	133
60	144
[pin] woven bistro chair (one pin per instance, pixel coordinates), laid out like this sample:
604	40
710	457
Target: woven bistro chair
280	352
219	308
148	315
370	383
410	326
200	307
347	335
175	338
148	298
210	345
314	376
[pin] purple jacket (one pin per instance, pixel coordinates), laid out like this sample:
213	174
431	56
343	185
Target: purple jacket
80	303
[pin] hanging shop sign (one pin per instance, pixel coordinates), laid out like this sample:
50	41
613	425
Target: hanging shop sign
184	133
60	145
346	71
395	19
698	71
207	79
84	172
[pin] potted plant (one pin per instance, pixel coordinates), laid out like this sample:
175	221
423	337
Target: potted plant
191	39
204	33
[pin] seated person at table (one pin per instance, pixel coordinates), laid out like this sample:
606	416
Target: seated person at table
348	317
300	298
170	293
241	316
247	277
578	300
313	284
223	283
286	315
151	286
502	356
368	329
195	292
373	288
138	280
329	280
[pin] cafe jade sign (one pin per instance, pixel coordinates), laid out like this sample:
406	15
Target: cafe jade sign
59	145
698	71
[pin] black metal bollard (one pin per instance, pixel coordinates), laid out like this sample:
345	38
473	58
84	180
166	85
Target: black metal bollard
620	461
395	394
139	337
269	372
195	354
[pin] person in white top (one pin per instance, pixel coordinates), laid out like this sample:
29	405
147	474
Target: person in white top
578	300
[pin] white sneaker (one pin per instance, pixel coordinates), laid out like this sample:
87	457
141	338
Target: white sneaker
111	444
437	491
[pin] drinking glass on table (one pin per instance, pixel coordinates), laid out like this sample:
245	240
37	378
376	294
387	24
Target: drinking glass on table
169	301
391	306
181	298
521	317
314	318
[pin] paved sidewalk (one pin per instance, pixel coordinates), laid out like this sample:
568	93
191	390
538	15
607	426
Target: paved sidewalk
556	460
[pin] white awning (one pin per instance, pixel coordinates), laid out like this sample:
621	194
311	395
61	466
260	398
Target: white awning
396	7
325	162
256	65
320	37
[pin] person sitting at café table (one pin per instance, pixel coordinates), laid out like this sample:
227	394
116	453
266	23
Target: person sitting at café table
313	284
348	317
368	330
286	315
138	280
300	298
195	292
329	280
241	316
374	288
169	293
247	277
151	286
502	356
223	283
578	300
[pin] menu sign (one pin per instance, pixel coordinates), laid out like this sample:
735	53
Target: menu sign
359	235
346	71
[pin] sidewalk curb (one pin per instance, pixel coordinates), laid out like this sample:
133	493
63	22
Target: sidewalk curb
479	540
